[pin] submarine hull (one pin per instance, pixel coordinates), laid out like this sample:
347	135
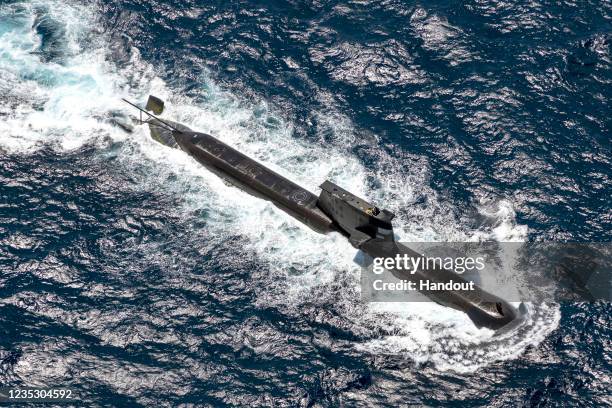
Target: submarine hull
366	227
255	178
245	173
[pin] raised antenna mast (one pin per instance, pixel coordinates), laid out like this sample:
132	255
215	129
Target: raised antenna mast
151	115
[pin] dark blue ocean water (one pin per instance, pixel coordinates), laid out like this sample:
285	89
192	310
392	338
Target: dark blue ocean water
138	278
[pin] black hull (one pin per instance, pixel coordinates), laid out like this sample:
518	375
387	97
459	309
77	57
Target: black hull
366	227
255	178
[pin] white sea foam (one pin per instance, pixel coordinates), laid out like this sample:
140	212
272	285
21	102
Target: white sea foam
63	104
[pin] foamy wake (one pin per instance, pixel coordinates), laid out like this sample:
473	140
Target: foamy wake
65	100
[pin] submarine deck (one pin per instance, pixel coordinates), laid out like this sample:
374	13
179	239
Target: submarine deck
255	178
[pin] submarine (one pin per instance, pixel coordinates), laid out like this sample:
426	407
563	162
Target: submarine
367	227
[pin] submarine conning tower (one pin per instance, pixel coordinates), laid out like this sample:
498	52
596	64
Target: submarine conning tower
359	220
